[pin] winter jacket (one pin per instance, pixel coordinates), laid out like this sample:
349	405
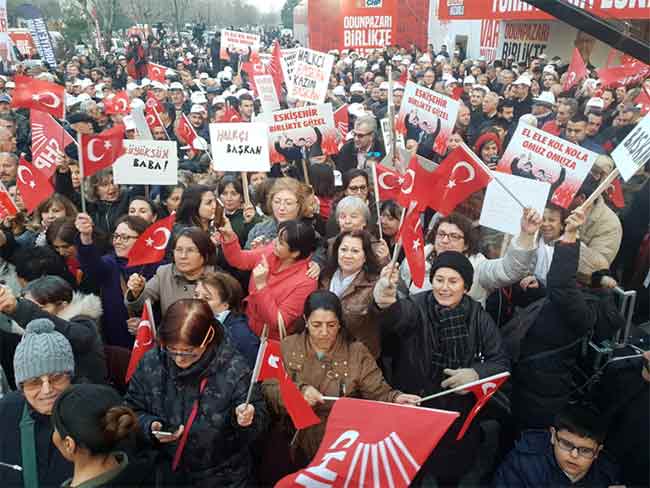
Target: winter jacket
407	325
600	238
112	274
242	337
130	473
52	467
489	274
347	156
348	370
267	228
78	323
217	452
532	464
167	286
358	315
542	378
240	226
285	291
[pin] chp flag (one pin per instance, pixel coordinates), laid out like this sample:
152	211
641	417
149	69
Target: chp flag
152	243
483	390
49	140
100	151
145	337
33	186
39	95
369	443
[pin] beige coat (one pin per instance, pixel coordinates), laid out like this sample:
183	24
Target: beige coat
348	370
600	239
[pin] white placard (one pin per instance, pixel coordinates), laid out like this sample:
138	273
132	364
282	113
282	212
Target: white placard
266	92
634	151
385	132
501	212
147	163
288	61
311	76
240	146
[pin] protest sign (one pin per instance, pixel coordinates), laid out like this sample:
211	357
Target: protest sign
288	61
299	133
502	212
489	39
5	45
427	117
266	92
385	132
634	151
368	25
538	155
523	40
311	75
241	43
240	146
147	162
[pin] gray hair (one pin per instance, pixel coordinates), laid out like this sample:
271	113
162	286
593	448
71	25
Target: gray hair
10	156
87	105
368	121
352	203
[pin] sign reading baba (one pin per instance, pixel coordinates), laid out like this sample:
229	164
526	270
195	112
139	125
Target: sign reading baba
240	146
147	163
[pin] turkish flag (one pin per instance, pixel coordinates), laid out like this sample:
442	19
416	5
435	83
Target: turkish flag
342	121
34	186
370	443
152	243
643	99
100	151
185	131
457	92
391	184
156	72
275	68
39	95
404	77
7	205
152	118
623	75
144	340
271	366
576	71
459	175
118	103
413	243
483	391
230	115
49	141
153	103
615	193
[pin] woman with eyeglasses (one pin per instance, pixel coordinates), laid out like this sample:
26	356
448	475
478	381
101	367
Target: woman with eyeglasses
324	360
455	233
356	183
193	255
111	273
279	282
190	398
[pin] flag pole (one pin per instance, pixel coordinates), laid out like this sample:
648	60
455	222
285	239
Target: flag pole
81	174
373	165
161	122
244	183
305	171
258	364
604	185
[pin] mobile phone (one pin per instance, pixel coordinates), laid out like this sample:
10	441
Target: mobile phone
218	216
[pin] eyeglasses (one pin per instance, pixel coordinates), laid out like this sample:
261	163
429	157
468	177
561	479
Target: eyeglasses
194	353
453	236
286	203
585	452
123	237
361	134
357	189
53	380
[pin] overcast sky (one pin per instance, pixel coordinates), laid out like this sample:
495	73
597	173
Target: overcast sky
267	5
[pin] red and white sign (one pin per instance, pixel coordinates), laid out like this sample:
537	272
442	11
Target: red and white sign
536	154
242	43
522	40
520	10
370	443
49	141
368	24
311	76
266	92
22	39
489	39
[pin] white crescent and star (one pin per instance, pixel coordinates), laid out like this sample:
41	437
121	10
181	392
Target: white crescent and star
273	361
91	150
32	183
461	164
124	105
55	100
146	323
163	245
486	387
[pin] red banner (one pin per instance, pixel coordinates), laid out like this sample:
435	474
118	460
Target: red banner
520	10
368	24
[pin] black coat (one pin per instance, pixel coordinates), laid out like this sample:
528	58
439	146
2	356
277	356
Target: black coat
347	156
218	449
52	467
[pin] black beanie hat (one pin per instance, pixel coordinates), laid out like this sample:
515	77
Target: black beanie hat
456	261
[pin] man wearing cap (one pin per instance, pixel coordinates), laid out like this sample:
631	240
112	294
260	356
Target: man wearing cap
177	95
543	108
80	123
43	367
523	99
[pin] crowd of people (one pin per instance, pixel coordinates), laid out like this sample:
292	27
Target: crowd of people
309	259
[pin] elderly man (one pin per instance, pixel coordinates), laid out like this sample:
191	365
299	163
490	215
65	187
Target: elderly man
44	366
354	153
8	166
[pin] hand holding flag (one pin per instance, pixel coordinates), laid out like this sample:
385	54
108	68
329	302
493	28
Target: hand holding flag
152	243
145	337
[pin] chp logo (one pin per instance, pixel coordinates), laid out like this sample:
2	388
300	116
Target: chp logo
369	3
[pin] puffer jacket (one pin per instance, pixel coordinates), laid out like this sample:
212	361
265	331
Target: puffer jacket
348	370
600	238
217	452
78	323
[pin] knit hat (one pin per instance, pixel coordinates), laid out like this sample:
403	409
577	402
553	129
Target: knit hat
42	351
456	261
484	139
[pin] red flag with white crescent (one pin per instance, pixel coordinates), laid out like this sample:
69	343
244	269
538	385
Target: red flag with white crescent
145	339
156	72
185	131
342	121
39	95
152	243
372	444
576	71
34	186
100	151
49	140
7	205
483	391
412	238
118	103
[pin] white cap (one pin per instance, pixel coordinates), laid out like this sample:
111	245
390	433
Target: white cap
132	86
158	85
204	76
84	97
596	102
145	82
356	109
198	97
481	59
545	98
357	88
469	80
241	91
440	58
197	109
339	91
375	67
483	88
10	84
522	80
451	80
169	72
398	86
384	85
218	99
228	69
189	56
549	68
129	123
176	85
85	83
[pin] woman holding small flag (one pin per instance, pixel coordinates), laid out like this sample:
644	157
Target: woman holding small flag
190	398
445	340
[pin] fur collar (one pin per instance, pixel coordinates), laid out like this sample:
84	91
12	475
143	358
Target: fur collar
82	304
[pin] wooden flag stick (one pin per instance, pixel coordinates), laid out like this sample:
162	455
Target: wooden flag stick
604	185
244	184
258	363
81	174
305	171
373	165
161	122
